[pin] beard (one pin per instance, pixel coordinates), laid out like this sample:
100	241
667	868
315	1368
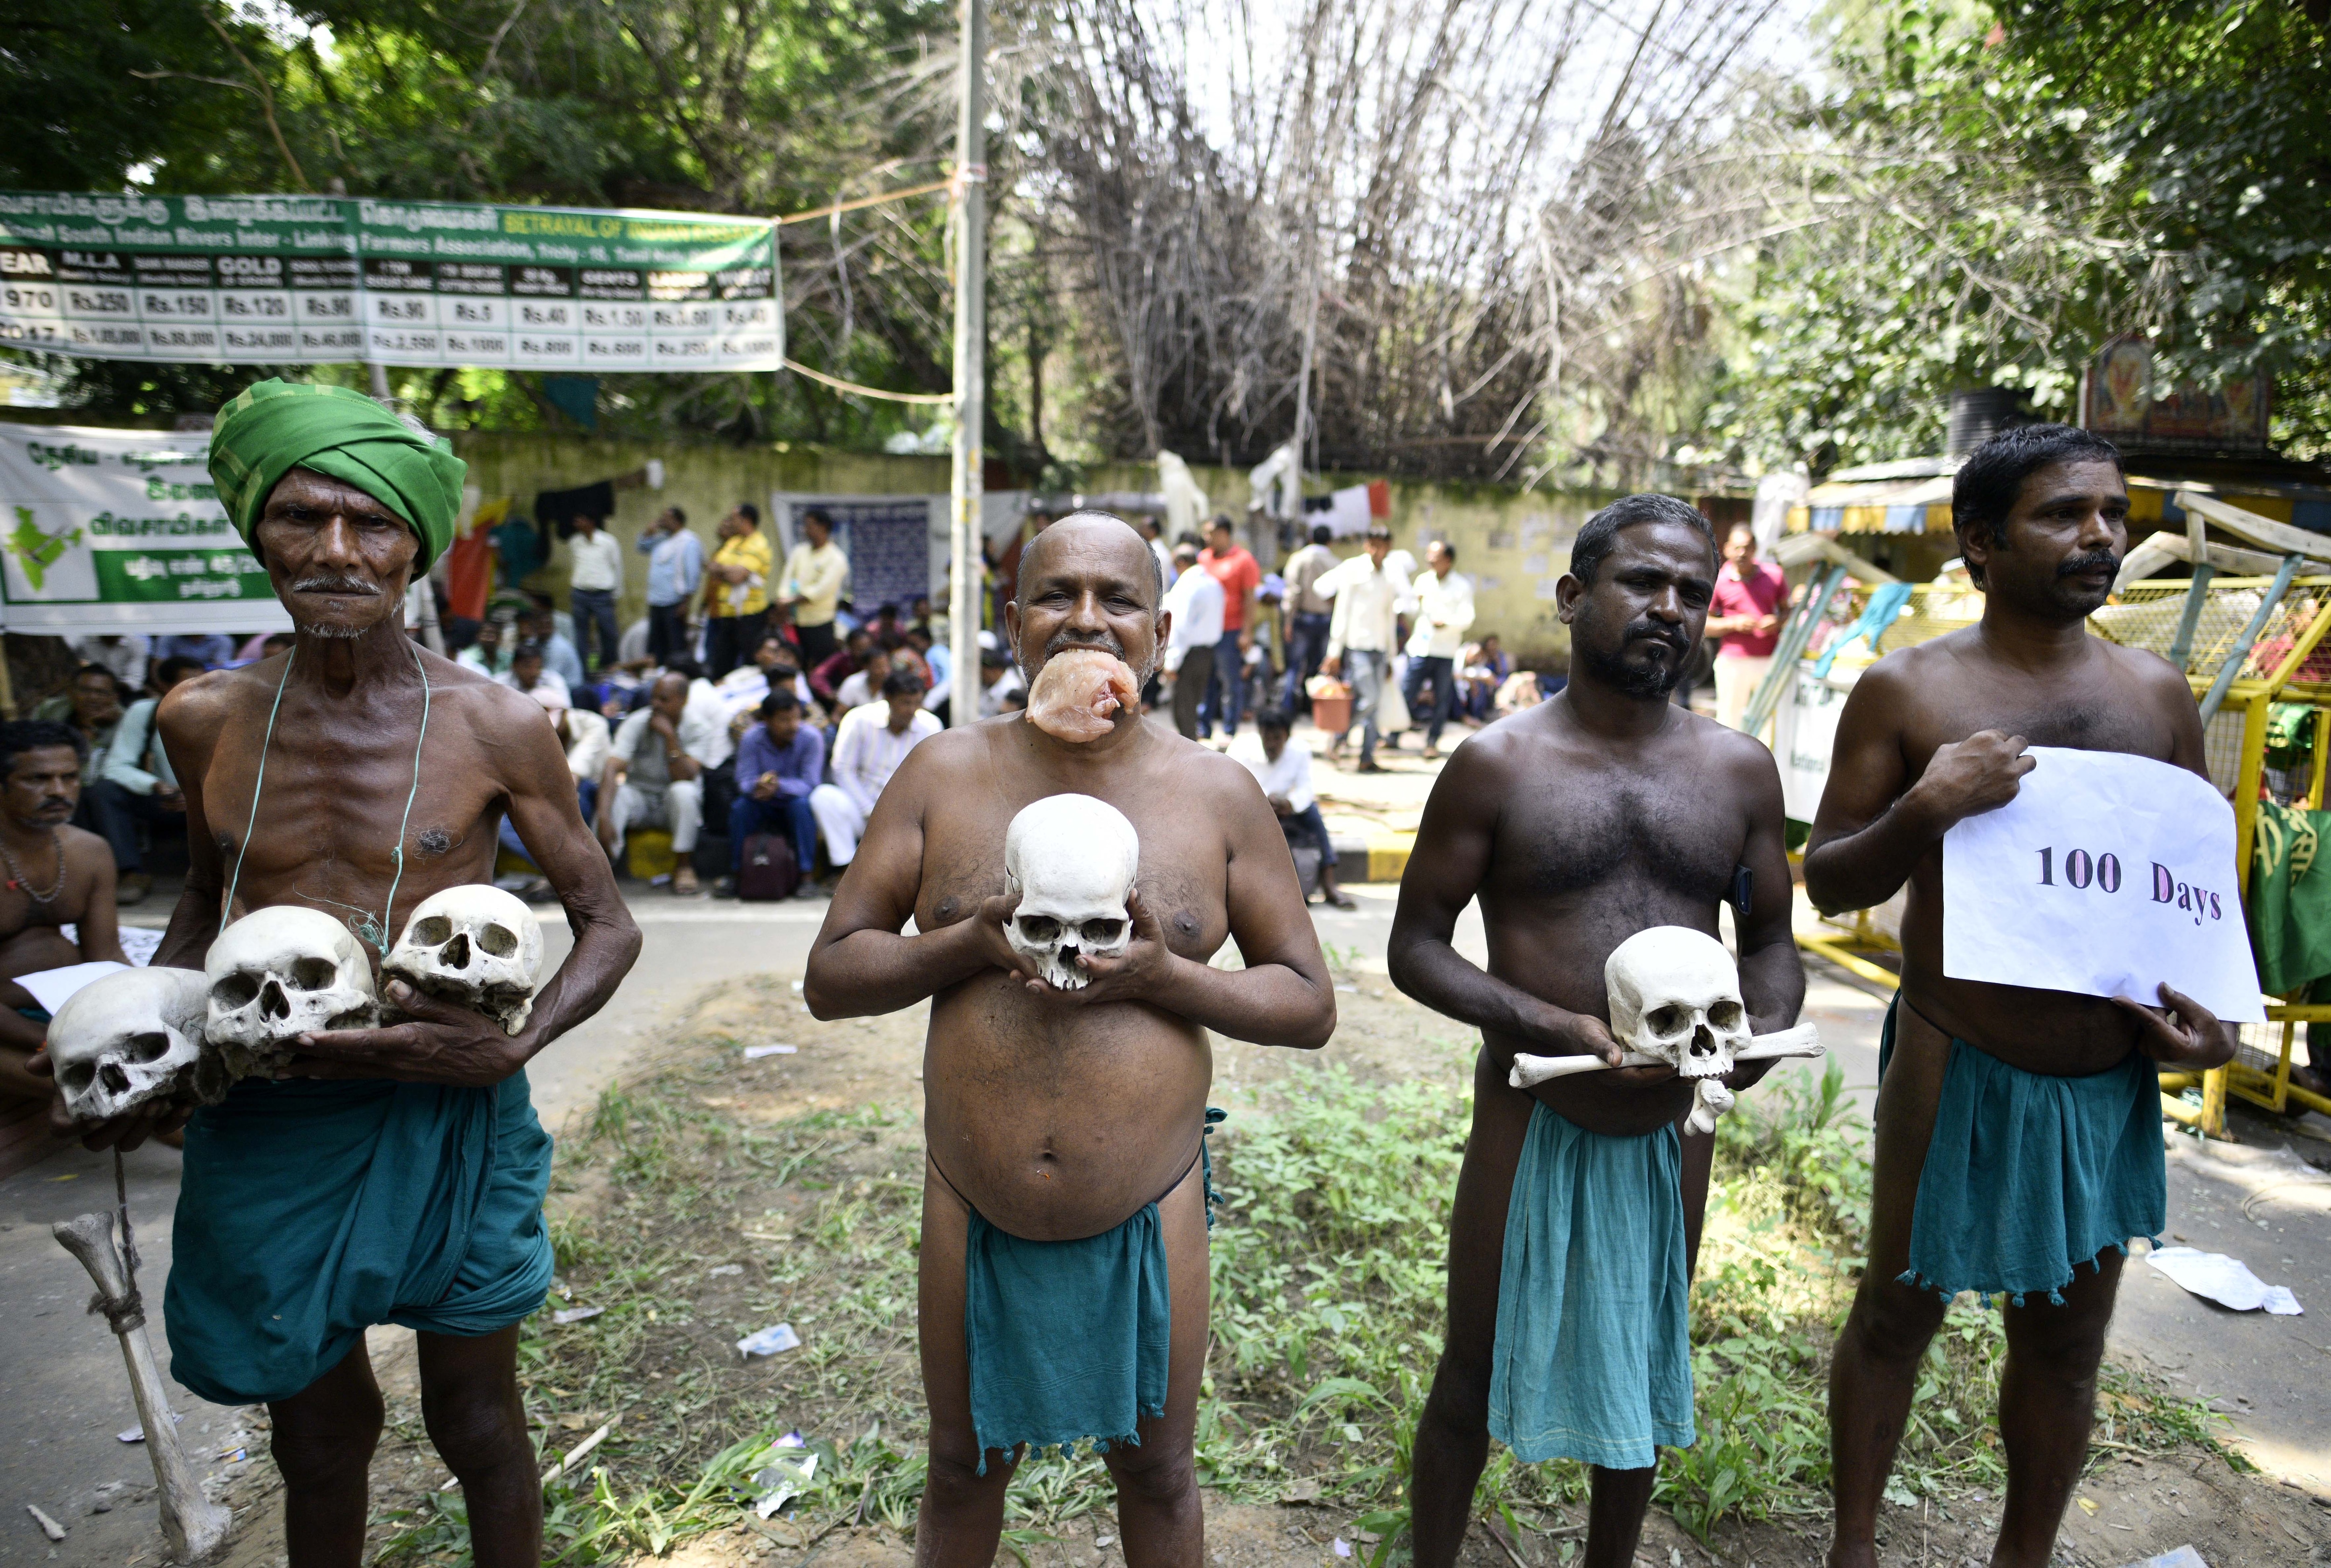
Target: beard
1610	667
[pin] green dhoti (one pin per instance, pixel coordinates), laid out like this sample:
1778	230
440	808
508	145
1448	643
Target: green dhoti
2029	1176
1593	1359
311	1209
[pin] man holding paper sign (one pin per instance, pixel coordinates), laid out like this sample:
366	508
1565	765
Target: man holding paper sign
2018	1131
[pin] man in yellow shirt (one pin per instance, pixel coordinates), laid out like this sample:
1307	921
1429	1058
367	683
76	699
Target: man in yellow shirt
737	591
815	574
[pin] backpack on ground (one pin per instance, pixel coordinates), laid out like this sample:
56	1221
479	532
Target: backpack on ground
771	871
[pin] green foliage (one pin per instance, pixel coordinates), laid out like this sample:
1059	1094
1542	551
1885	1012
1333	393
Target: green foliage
1328	1282
1998	189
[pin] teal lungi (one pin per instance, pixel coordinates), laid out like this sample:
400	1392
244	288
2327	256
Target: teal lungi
1067	1340
1593	1359
2029	1176
311	1209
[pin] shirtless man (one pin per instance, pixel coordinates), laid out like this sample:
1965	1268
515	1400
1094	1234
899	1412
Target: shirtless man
1931	735
56	875
1578	822
399	1175
1063	1200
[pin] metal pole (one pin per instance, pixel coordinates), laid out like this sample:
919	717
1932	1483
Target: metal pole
970	344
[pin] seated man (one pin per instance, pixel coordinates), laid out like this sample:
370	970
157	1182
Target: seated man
865	684
530	673
827	674
868	748
539	626
57	876
134	785
1063	1256
778	762
653	776
485	654
1284	772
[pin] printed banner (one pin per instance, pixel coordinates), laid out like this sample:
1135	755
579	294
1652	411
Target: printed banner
121	530
2106	874
317	280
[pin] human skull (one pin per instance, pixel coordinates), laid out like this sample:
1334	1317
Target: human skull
278	973
131	1038
475	947
1675	994
1073	859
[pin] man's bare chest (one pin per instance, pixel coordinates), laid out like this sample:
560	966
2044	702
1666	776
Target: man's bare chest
1577	834
2092	717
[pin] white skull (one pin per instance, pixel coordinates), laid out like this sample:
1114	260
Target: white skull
131	1038
278	973
475	947
1073	859
1675	994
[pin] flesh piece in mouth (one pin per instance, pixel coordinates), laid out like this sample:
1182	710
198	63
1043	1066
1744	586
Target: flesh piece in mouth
1078	692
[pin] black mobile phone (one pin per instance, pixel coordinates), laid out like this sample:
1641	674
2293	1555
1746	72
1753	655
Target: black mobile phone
1744	889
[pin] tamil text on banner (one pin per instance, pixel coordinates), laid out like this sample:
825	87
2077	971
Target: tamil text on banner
2107	875
317	280
121	530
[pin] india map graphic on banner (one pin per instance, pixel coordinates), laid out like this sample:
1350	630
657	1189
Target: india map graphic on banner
320	280
121	530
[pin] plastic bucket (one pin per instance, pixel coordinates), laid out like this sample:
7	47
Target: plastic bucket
1332	715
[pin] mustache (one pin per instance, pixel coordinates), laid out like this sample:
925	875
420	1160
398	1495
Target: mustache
1675	637
356	587
1109	644
2089	562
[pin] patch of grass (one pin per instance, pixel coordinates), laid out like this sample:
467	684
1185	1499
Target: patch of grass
1328	1269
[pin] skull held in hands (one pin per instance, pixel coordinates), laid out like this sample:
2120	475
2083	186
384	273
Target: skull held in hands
1675	994
278	973
131	1039
475	947
1072	861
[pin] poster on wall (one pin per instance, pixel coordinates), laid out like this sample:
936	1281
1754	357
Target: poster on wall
322	279
897	546
2121	400
121	531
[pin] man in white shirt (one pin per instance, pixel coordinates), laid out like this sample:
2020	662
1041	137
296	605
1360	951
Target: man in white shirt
1195	603
654	775
1284	772
595	579
530	673
868	748
864	684
583	735
1362	633
815	571
1307	610
1444	608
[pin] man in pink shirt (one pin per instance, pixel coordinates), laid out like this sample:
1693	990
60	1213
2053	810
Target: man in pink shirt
1231	564
1746	612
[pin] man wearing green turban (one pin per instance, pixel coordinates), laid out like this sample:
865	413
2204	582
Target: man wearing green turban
391	1174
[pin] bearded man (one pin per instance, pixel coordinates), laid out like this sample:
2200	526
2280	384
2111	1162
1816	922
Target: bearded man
395	1174
1063	1260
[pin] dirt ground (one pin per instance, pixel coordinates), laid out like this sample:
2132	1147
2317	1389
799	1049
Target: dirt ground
2131	1508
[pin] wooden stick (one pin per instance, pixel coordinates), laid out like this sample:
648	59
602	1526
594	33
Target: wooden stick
1801	1040
194	1526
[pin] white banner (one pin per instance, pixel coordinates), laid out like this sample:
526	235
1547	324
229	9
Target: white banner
121	531
2107	875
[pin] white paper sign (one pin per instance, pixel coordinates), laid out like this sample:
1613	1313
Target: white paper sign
2107	875
52	988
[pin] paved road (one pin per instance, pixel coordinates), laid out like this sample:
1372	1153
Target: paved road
63	1395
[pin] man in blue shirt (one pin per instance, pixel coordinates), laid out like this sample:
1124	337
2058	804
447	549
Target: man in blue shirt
675	570
778	762
540	628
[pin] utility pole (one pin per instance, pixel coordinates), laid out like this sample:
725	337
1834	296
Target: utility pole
970	362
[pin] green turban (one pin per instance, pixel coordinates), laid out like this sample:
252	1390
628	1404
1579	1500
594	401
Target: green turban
276	426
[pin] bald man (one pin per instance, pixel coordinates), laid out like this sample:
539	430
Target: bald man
1063	1263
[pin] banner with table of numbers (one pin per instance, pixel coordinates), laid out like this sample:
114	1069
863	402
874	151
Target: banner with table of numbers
314	279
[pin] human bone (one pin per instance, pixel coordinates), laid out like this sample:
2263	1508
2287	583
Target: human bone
1710	1100
278	973
1675	994
131	1038
475	947
1071	860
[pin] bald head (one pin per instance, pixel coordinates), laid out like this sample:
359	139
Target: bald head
1091	530
1088	581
